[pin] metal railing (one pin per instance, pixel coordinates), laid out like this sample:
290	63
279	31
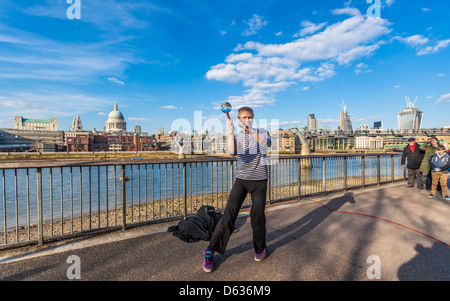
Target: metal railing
48	201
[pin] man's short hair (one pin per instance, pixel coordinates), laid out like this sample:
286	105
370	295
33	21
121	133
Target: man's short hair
440	146
247	109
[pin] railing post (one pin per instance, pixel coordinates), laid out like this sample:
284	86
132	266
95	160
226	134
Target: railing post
363	170
5	232
268	181
39	208
231	173
378	169
299	178
184	191
345	173
324	187
392	168
124	201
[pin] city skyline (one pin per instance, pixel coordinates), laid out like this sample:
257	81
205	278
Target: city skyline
163	61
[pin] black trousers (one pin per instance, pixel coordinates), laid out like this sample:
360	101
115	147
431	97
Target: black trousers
225	227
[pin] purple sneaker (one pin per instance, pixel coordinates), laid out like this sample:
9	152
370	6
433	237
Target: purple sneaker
208	264
262	255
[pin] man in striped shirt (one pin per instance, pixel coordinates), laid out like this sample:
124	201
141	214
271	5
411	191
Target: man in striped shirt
250	146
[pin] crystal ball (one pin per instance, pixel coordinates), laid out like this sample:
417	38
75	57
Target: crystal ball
226	107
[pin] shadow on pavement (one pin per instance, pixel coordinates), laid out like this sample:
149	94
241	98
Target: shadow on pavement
430	264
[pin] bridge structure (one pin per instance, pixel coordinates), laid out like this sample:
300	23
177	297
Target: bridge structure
305	135
370	132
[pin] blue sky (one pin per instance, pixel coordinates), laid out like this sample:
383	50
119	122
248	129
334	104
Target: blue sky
165	59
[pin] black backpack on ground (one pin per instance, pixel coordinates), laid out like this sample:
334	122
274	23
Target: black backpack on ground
198	227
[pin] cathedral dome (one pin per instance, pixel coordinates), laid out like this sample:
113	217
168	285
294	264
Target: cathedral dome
115	114
116	122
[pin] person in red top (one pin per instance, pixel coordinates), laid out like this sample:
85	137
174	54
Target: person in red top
413	155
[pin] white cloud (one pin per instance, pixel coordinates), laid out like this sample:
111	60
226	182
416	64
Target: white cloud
109	15
285	123
115	80
433	49
336	40
140	119
444	98
233	58
30	56
416	40
264	69
46	103
346	11
169	107
328	121
309	28
362	68
254	24
422	44
13	103
358	51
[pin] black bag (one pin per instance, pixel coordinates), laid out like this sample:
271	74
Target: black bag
198	227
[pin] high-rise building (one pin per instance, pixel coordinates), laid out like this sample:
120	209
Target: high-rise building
411	117
312	123
378	125
346	123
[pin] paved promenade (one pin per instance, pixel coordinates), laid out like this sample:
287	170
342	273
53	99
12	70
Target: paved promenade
398	233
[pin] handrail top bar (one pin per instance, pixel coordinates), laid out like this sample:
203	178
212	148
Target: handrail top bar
115	162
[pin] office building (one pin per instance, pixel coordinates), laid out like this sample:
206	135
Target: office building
378	125
312	123
411	117
346	123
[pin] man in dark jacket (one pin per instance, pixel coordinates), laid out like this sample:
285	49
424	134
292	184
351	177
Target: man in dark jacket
414	155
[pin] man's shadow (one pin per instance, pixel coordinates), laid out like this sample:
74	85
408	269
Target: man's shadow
297	229
429	264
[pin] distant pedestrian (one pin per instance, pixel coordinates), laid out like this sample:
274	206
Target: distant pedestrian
250	146
439	164
430	149
413	156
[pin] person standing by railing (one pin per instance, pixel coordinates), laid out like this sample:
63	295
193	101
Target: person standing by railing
430	148
250	146
413	155
439	163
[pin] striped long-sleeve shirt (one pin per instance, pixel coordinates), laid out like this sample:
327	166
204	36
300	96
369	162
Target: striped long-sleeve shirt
251	156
